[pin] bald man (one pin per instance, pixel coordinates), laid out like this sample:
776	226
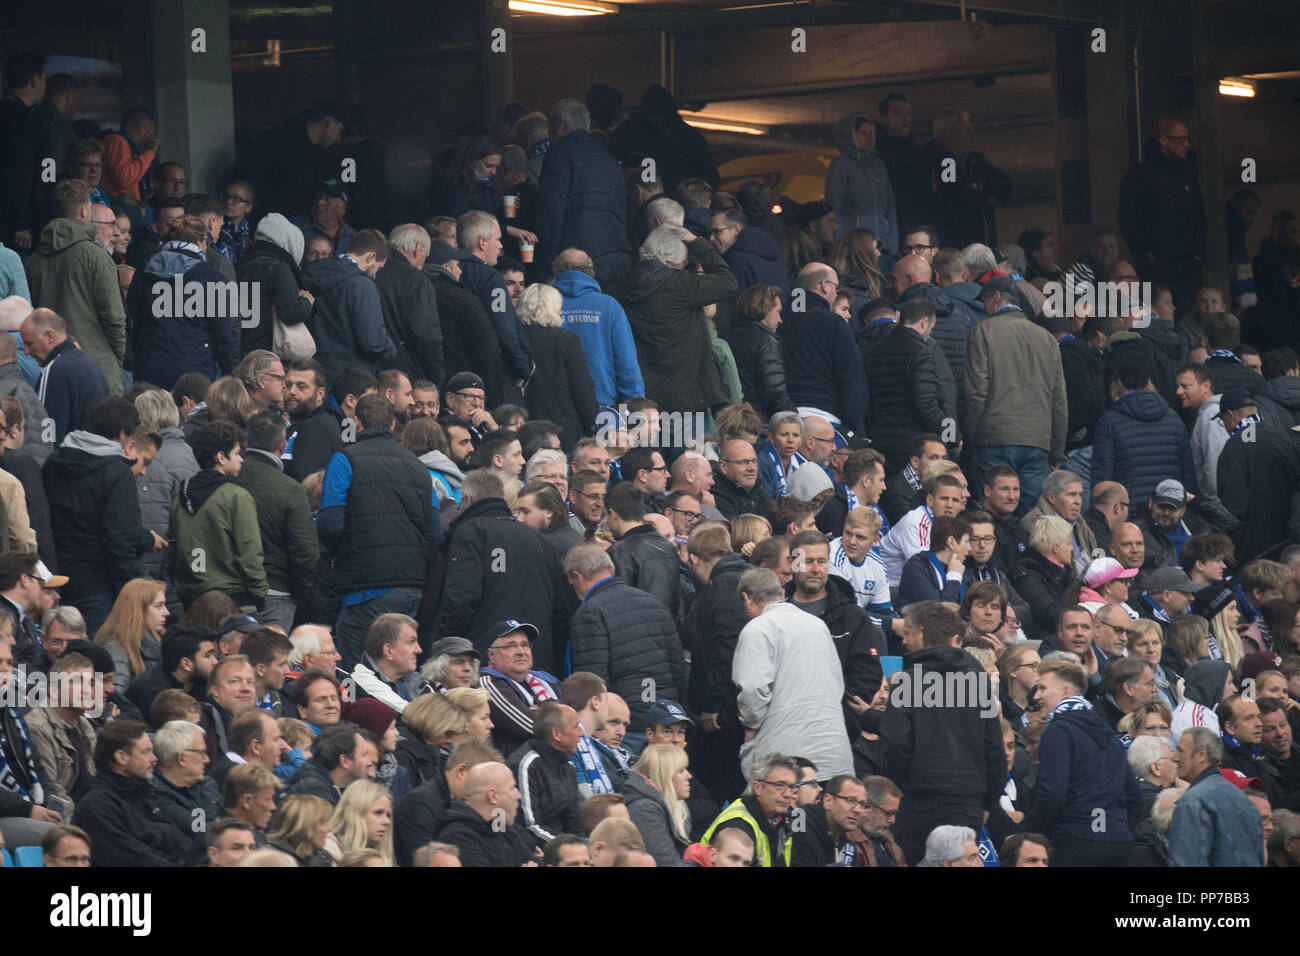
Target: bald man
1108	509
692	473
823	366
911	270
72	382
1130	550
818	439
483	825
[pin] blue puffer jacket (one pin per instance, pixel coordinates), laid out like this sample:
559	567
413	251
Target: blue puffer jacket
166	346
1085	787
1278	401
1140	441
951	330
347	321
580	200
966	296
601	326
1215	824
858	187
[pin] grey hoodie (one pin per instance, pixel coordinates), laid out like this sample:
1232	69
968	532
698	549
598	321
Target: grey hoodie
91	444
858	187
447	470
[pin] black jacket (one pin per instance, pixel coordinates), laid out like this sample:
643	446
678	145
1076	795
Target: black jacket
485	284
1227	373
95	514
761	368
313	440
952	325
476	595
580	200
347	319
421	760
905	398
1282	778
561	389
1082	770
732	500
965	202
190	810
644	559
1140	441
625	636
1100	528
143	689
71	384
1278	400
1042	584
126	826
656	129
28	471
469	343
387	530
548	791
312	778
948	753
899	496
814	845
279	280
1013	542
481	842
1273	520
1161	212
1159	549
717	618
290	548
1086	391
410	307
822	365
419	815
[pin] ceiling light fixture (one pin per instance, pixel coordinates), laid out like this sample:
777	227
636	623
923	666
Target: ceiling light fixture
1232	86
724	126
563	8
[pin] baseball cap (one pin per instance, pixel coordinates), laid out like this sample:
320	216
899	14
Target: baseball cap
811	212
1104	570
1241	781
1234	400
509	626
100	658
442	252
330	186
1171	492
243	623
1003	284
464	380
1171	579
665	713
48	578
454	645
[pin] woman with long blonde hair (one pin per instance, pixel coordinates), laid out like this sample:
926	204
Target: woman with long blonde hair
363	820
301	828
655	796
133	630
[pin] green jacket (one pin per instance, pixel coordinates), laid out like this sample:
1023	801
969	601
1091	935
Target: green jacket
290	548
219	547
78	280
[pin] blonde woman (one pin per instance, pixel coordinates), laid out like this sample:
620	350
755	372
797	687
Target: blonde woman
172	465
300	828
561	388
228	401
426	725
1147	642
655	796
747	531
1018	673
472	704
363	820
133	629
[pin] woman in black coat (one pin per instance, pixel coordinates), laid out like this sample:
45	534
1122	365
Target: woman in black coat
758	351
272	262
1045	572
561	389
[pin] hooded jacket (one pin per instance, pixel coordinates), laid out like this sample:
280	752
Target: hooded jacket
410	305
447	476
561	389
647	809
95	514
272	262
1082	768
212	513
1141	441
1161	212
72	275
1203	684
625	636
348	319
858	186
469	343
164	344
655	129
581	200
966	297
601	326
1278	401
665	310
950	753
126	826
755	257
761	367
481	842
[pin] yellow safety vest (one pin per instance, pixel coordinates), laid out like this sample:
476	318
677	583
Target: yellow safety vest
762	847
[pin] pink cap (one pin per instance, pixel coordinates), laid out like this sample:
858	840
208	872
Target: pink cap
1104	570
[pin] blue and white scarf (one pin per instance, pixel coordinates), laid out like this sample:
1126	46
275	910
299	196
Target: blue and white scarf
592	777
778	472
1224	353
1070	703
1256	750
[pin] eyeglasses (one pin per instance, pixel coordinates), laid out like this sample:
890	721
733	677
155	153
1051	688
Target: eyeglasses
1033	666
714	233
778	785
590	496
811	784
984	539
471	397
908	250
853	802
228	197
825	441
514	646
887	814
191	750
688	515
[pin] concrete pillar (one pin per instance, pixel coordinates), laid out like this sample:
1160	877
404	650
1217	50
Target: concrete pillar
498	86
1110	123
192	89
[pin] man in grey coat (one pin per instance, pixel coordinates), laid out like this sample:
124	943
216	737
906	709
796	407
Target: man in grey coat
1214	824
